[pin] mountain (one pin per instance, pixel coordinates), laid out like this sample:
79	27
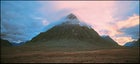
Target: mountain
4	42
7	43
133	43
71	34
108	39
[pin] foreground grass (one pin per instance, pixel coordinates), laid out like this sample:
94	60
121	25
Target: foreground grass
25	54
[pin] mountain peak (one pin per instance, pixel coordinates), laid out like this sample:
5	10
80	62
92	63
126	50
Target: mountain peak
71	16
71	19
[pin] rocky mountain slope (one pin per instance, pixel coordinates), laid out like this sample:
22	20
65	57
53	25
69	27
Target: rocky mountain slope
71	33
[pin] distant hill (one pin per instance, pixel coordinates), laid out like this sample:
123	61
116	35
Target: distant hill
72	33
133	43
5	42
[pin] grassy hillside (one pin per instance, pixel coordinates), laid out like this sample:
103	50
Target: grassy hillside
69	32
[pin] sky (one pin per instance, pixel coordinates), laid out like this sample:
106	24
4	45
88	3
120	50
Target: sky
23	20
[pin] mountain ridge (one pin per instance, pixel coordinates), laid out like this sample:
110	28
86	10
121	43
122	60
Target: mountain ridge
69	31
133	43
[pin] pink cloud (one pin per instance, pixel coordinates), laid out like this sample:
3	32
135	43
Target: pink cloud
130	22
123	39
96	13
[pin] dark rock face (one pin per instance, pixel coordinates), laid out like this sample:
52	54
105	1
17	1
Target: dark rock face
71	16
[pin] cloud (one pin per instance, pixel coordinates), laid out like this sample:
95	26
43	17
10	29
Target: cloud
129	30
44	22
95	13
132	31
130	22
116	28
123	40
17	23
